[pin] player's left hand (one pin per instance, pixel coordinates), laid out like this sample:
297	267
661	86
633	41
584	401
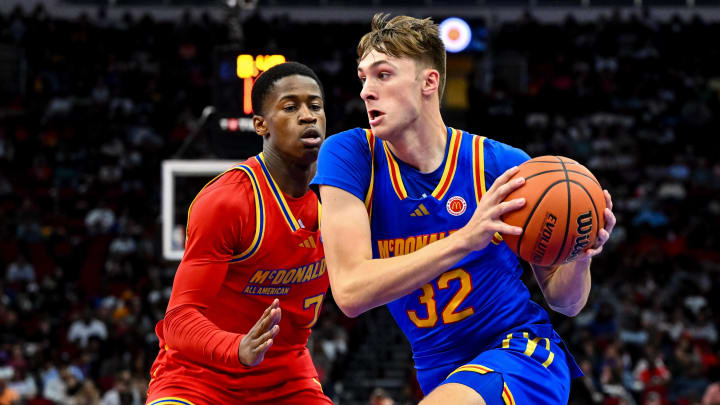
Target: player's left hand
604	233
258	340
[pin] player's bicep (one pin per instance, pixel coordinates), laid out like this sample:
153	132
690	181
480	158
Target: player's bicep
209	249
346	231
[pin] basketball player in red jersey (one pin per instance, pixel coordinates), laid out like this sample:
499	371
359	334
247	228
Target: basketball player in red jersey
253	252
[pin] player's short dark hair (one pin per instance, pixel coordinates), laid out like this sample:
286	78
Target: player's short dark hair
263	85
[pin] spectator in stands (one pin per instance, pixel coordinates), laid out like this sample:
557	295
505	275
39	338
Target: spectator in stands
87	326
8	396
61	387
380	397
20	271
124	392
100	219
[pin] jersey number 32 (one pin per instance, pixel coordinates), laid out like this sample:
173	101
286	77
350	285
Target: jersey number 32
449	313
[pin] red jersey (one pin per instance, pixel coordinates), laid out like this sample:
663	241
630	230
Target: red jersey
247	244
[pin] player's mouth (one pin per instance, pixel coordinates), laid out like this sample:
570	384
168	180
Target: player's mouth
375	117
311	137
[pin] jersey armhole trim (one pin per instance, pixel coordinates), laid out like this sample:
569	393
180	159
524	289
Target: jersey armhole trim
450	165
278	195
369	196
171	400
479	167
259	217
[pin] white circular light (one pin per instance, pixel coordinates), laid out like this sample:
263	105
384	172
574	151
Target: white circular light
455	34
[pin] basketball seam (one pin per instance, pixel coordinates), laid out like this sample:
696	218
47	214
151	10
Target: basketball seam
549	161
569	210
532	212
558	170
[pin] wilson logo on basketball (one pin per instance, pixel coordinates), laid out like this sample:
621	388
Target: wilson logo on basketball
584	226
456	205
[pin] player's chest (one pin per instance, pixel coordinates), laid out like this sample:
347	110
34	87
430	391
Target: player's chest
392	216
285	265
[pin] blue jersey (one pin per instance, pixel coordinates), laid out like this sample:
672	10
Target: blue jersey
476	304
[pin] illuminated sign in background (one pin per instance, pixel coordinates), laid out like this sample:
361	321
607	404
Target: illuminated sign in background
455	34
237	124
231	134
248	68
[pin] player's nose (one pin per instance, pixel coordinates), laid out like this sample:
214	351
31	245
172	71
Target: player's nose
368	91
306	115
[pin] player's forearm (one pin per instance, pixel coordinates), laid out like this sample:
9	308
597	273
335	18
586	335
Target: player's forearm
188	331
366	284
566	288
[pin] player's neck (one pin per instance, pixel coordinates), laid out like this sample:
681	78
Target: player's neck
291	177
422	144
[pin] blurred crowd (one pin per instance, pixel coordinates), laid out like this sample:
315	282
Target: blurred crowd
99	103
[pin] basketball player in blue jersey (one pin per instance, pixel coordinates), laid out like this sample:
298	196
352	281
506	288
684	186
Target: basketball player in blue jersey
412	219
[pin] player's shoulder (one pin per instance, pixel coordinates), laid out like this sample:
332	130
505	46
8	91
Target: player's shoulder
495	145
356	132
499	156
233	178
350	138
502	150
227	192
346	146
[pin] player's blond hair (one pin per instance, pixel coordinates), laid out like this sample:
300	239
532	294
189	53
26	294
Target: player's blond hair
404	36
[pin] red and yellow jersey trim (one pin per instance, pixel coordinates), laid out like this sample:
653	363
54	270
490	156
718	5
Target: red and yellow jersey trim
259	217
507	396
479	166
450	165
476	368
395	177
171	401
369	196
259	211
278	195
448	171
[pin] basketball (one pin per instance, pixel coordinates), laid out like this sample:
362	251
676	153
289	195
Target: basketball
563	212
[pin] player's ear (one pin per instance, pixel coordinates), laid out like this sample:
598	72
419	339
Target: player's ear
260	125
431	81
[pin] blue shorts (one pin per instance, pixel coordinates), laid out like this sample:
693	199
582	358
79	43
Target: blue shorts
524	369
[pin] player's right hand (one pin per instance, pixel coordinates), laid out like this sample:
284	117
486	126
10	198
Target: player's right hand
258	340
486	220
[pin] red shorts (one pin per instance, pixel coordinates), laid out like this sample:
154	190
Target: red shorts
304	391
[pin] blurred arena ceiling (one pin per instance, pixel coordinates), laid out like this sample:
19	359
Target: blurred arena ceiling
361	11
406	3
402	3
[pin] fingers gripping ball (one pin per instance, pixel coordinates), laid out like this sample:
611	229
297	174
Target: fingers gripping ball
563	212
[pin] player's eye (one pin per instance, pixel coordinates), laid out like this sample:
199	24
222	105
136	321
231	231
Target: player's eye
316	107
290	108
362	80
383	75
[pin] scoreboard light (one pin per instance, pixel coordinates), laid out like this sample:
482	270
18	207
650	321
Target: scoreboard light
455	34
248	68
237	124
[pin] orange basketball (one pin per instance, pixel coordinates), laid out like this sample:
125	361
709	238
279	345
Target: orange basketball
563	212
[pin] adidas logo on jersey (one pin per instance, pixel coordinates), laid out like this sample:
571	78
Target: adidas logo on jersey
308	243
420	211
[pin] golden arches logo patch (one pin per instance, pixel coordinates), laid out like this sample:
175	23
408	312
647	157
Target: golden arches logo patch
456	205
